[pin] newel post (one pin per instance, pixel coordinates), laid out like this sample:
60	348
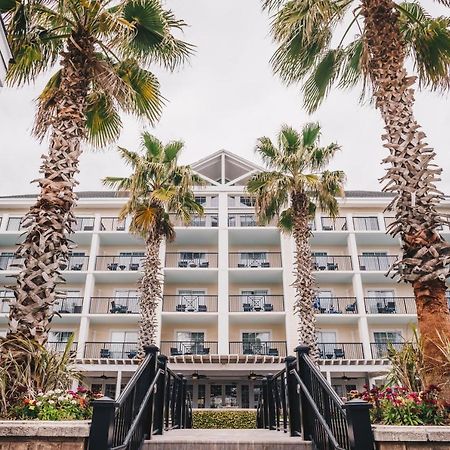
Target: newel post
293	398
358	424
160	401
102	425
152	368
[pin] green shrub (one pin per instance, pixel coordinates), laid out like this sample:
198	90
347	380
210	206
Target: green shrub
223	418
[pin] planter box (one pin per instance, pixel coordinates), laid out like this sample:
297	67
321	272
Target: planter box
40	434
390	437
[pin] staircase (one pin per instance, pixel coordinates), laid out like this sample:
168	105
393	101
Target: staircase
196	439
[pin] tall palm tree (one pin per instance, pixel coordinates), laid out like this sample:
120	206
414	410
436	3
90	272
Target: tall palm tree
157	187
388	32
297	182
103	48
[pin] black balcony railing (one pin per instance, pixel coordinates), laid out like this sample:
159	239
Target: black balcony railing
334	224
256	303
269	348
376	262
179	348
390	305
112	224
110	350
60	347
69	305
77	263
84	224
114	305
119	263
207	220
330	262
366	223
262	260
350	350
335	305
197	260
382	350
189	303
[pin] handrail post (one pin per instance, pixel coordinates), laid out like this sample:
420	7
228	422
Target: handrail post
359	427
265	403
178	416
153	367
293	397
159	405
102	425
305	376
270	403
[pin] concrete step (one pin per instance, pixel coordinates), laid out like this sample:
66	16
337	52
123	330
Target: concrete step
197	439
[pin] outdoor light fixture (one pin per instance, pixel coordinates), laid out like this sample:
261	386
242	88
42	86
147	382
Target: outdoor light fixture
252	376
197	376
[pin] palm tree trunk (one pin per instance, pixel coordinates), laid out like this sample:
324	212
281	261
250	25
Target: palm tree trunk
45	249
150	291
304	280
412	178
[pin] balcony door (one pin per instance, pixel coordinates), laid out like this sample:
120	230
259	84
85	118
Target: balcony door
256	342
327	343
123	343
189	299
125	301
131	260
382	339
379	299
324	300
253	259
6	258
374	261
190	342
320	260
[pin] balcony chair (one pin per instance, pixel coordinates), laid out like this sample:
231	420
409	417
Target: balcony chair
88	228
192	264
204	264
77	267
351	307
180	308
132	354
248	351
268	307
332	266
339	353
362	267
265	264
175	351
203	351
390	308
327	228
240	265
202	308
254	264
76	309
112	266
134	266
273	352
247	307
121	309
105	353
182	263
381	309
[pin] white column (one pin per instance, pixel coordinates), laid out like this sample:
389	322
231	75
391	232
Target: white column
287	258
222	281
328	375
118	383
381	222
318	221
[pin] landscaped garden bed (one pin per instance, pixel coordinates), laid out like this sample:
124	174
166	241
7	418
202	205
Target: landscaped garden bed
224	418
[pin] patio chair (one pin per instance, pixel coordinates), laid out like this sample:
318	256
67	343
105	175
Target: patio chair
202	308
248	351
105	353
182	263
339	353
247	307
132	354
203	351
351	307
332	266
134	266
265	264
77	267
268	307
175	352
112	266
390	307
273	352
204	264
180	308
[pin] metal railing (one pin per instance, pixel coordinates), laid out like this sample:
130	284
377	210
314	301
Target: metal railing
110	350
345	350
196	221
114	305
390	305
366	223
154	400
199	260
60	347
382	350
376	262
268	348
332	262
179	348
69	305
256	303
112	224
77	263
262	260
334	224
309	407
84	224
189	303
335	305
119	263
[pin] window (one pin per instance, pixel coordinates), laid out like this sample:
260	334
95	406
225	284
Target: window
14	224
201	200
320	260
5	294
383	337
342	390
247	201
132	254
256	336
190	336
374	261
324	300
326	337
124	336
378	301
366	223
245	396
253	259
189	256
201	396
59	336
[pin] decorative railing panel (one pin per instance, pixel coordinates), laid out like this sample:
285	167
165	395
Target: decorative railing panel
114	305
195	260
256	303
267	348
180	348
390	305
189	303
335	305
263	260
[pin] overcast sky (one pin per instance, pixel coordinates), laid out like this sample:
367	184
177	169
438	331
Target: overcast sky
226	97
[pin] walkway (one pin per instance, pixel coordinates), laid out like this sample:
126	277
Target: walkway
196	439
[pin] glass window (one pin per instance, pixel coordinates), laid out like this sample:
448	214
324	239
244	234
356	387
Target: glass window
6	259
201	200
59	336
124	336
247	201
374	261
245	396
190	336
230	400
110	390
366	223
383	337
215	397
201	396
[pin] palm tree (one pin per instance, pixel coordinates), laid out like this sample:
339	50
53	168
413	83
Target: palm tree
103	48
157	187
298	177
388	32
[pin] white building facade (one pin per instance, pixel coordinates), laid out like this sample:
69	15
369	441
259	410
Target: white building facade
226	318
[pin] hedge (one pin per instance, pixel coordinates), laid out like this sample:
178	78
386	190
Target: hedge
223	418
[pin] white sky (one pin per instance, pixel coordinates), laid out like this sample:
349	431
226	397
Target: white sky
226	97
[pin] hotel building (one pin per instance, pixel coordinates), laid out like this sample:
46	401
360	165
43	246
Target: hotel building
226	316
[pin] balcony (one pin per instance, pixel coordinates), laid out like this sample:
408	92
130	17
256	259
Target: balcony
119	263
376	262
263	260
180	348
75	263
114	305
267	348
189	303
14	224
335	305
331	262
351	350
382	350
207	220
334	223
69	305
4	307
186	260
60	347
112	224
84	224
390	305
256	303
110	350
10	263
366	223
